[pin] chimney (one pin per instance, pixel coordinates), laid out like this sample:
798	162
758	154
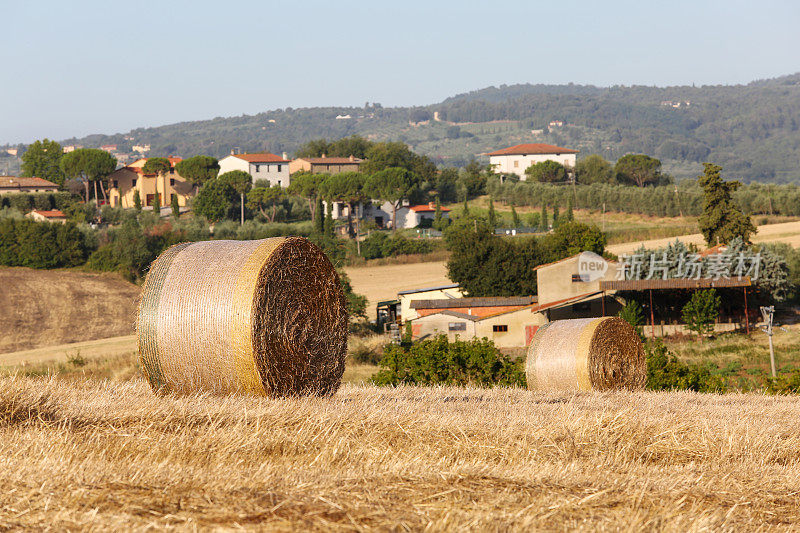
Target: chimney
352	158
431	205
285	156
232	151
323	155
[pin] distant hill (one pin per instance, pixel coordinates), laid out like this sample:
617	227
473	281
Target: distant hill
752	130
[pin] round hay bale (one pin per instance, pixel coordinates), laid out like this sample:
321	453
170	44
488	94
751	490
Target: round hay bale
264	317
586	354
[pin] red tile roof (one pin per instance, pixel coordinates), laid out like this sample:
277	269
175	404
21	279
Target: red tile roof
331	160
536	148
13	182
427	208
55	213
264	157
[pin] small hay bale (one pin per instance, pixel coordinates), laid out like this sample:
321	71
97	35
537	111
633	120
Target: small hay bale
586	354
263	317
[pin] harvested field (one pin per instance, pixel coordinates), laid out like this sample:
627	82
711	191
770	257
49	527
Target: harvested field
379	283
50	307
98	455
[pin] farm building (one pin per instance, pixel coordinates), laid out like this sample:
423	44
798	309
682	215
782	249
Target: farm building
515	159
124	182
53	215
262	166
325	165
10	184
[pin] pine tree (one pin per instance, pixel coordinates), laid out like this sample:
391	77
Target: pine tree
722	220
137	200
492	214
515	217
700	313
318	217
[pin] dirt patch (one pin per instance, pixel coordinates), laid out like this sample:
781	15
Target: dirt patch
51	307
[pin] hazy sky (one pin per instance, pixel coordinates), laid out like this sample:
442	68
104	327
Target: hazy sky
80	67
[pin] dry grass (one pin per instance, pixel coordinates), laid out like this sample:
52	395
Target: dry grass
100	456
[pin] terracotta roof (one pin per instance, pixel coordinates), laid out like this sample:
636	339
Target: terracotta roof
13	182
331	160
264	157
427	208
536	148
473	302
673	283
55	213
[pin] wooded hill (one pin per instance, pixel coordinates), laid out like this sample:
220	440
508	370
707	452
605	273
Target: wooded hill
752	130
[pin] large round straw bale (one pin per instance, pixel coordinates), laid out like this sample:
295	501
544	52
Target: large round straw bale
262	317
586	354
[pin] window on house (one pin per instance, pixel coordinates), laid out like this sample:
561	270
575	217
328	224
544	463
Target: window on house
133	182
457	326
516	164
172	182
279	168
115	183
172	171
500	328
576	278
257	168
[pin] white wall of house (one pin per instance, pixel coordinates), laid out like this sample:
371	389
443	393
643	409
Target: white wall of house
275	173
516	164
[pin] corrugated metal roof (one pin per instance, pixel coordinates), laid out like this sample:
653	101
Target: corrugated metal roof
473	302
439	288
674	283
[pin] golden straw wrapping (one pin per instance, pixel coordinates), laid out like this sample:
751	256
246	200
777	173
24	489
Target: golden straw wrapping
586	354
264	317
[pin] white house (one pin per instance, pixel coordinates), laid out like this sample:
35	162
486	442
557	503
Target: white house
515	159
262	166
408	216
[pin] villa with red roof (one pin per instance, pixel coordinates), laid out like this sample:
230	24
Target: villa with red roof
261	166
124	182
515	159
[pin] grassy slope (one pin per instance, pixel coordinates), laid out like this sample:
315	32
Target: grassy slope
102	456
46	307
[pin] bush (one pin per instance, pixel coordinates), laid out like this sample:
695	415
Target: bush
666	372
789	384
440	362
700	313
27	243
379	244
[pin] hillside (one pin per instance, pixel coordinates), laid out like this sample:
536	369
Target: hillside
752	130
407	458
48	307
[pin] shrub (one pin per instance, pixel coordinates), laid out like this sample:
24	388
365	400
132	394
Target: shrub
440	362
24	242
666	372
380	244
700	313
785	384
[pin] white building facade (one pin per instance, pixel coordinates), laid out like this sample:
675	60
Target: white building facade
515	159
264	166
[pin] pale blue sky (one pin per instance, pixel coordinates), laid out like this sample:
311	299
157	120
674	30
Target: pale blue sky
80	67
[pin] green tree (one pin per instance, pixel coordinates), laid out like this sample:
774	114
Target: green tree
157	203
593	169
137	200
215	200
263	198
547	172
347	187
198	169
543	218
327	227
42	159
176	209
307	185
722	220
571	238
241	182
437	215
473	178
702	311
556	219
492	214
515	218
633	314
354	145
386	155
392	185
638	169
89	165
569	216
319	223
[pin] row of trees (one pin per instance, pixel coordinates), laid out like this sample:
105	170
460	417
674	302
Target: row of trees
633	169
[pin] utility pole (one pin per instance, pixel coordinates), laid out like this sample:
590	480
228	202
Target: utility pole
768	313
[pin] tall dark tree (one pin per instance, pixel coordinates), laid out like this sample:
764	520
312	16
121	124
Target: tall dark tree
198	169
42	159
89	165
722	220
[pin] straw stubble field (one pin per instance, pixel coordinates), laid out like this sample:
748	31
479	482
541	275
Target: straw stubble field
98	455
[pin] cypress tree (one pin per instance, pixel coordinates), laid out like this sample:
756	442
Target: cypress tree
569	215
176	209
318	217
543	218
328	224
515	217
437	215
555	216
137	200
492	214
